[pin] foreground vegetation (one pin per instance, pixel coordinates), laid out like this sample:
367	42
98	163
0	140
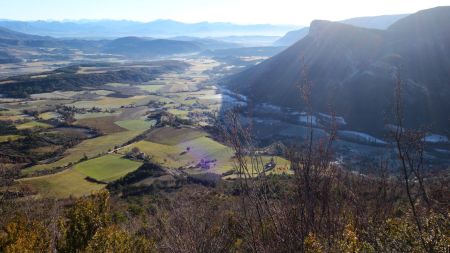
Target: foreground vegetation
264	217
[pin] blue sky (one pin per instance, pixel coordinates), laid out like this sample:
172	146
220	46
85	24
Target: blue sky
297	12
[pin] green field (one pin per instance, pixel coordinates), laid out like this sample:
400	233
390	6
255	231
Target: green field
103	124
40	105
176	156
48	115
5	138
179	113
168	146
173	136
150	88
95	115
11	117
5	111
118	84
209	149
62	184
112	103
165	155
33	124
57	95
107	168
102	92
90	148
257	164
135	125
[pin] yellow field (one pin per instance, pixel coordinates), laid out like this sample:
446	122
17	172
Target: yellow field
150	88
63	184
12	117
134	125
48	115
33	124
173	136
165	155
103	124
96	115
5	138
112	103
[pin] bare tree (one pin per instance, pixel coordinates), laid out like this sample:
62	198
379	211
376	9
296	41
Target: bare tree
409	145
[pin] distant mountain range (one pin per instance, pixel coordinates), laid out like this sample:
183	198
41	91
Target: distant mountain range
141	47
14	43
159	28
376	22
10	38
352	69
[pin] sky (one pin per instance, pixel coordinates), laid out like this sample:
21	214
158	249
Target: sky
297	12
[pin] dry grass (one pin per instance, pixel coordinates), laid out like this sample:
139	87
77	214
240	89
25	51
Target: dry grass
173	136
105	125
62	185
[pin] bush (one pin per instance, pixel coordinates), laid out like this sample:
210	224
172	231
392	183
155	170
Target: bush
205	179
23	235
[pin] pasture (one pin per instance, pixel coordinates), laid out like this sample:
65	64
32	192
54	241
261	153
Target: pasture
173	136
165	155
90	115
187	147
103	124
90	148
13	118
33	124
107	168
62	185
112	103
150	88
135	125
6	138
49	115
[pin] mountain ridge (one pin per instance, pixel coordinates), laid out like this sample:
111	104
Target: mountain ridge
353	69
157	28
372	22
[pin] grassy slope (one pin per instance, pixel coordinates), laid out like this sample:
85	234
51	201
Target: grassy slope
209	149
5	138
150	88
166	155
107	168
134	125
173	136
12	118
112	103
91	148
167	146
63	184
89	115
32	124
104	124
48	115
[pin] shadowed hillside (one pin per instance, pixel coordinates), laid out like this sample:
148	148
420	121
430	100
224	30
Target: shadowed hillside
352	68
